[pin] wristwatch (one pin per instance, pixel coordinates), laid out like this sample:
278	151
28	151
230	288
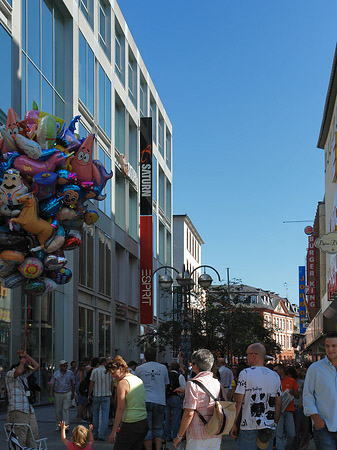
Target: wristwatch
179	437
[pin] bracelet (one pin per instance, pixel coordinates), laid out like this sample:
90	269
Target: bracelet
179	437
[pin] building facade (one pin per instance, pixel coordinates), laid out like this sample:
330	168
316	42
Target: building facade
78	57
277	313
324	318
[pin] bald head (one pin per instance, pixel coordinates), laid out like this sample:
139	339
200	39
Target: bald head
255	354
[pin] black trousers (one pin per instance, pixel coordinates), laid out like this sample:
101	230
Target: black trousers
131	435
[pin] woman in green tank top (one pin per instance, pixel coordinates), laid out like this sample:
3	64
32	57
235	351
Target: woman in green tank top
131	413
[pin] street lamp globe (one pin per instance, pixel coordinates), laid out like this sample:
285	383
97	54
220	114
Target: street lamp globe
205	280
184	279
165	281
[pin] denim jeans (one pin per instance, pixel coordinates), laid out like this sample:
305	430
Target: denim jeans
100	404
155	418
247	440
173	404
285	426
325	439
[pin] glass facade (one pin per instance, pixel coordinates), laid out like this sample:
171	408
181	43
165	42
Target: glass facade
5	74
105	205
38	337
86	74
42	57
104	102
51	36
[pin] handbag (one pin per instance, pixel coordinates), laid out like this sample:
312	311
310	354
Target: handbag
223	417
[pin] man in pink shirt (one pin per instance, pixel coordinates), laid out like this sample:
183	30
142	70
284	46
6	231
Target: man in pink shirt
195	398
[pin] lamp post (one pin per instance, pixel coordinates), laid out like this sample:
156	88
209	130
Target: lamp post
186	283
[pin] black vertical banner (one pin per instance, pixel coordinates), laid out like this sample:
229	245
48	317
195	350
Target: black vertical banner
146	166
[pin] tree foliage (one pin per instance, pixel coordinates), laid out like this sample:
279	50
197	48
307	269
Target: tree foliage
223	326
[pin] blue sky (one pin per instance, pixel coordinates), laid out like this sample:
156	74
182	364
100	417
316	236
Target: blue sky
244	84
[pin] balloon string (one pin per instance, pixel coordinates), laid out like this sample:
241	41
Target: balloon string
26	331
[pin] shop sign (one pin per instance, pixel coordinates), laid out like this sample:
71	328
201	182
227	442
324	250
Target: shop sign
146	269
302	300
327	243
311	272
145	166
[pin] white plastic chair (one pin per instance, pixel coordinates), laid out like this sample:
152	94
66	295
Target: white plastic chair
12	440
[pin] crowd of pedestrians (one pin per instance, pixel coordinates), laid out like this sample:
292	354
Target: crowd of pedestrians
277	406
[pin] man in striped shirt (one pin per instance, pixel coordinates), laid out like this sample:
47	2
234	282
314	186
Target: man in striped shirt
19	408
100	390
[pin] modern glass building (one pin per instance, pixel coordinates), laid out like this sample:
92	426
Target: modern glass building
78	57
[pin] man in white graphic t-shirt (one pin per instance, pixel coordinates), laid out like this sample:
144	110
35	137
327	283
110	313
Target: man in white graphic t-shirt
259	395
155	378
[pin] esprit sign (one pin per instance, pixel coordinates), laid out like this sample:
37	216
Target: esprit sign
146	306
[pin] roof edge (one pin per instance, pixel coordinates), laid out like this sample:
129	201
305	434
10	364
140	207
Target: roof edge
329	104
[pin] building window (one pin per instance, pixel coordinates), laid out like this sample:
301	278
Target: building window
87	8
143	97
154	178
86	255
86	74
133	216
168	149
104	337
133	147
161	256
132	81
104	110
154	227
120	127
85	333
5	75
120	199
168	249
104	102
168	198
105	205
104	257
119	53
161	189
161	135
43	45
153	114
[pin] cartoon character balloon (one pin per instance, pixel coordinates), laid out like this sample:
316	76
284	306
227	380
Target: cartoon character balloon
47	175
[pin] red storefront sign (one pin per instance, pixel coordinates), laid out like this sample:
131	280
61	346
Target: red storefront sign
146	269
311	272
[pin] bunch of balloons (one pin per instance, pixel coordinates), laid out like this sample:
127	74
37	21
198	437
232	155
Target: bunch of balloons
47	174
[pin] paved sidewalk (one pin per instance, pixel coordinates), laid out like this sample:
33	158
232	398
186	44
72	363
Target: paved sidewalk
46	420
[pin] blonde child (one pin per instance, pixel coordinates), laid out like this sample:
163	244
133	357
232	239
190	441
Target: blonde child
82	438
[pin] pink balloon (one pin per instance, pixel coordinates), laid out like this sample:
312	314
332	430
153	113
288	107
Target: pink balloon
28	166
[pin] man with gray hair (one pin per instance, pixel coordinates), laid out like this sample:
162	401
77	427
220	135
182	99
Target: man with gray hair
258	393
197	399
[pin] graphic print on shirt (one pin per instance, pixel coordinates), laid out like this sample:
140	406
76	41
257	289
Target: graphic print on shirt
260	387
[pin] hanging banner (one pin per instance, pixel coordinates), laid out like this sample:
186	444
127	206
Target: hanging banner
146	166
302	300
146	230
311	272
146	306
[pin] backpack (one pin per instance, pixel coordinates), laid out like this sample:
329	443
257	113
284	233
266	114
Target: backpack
223	417
174	384
83	387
